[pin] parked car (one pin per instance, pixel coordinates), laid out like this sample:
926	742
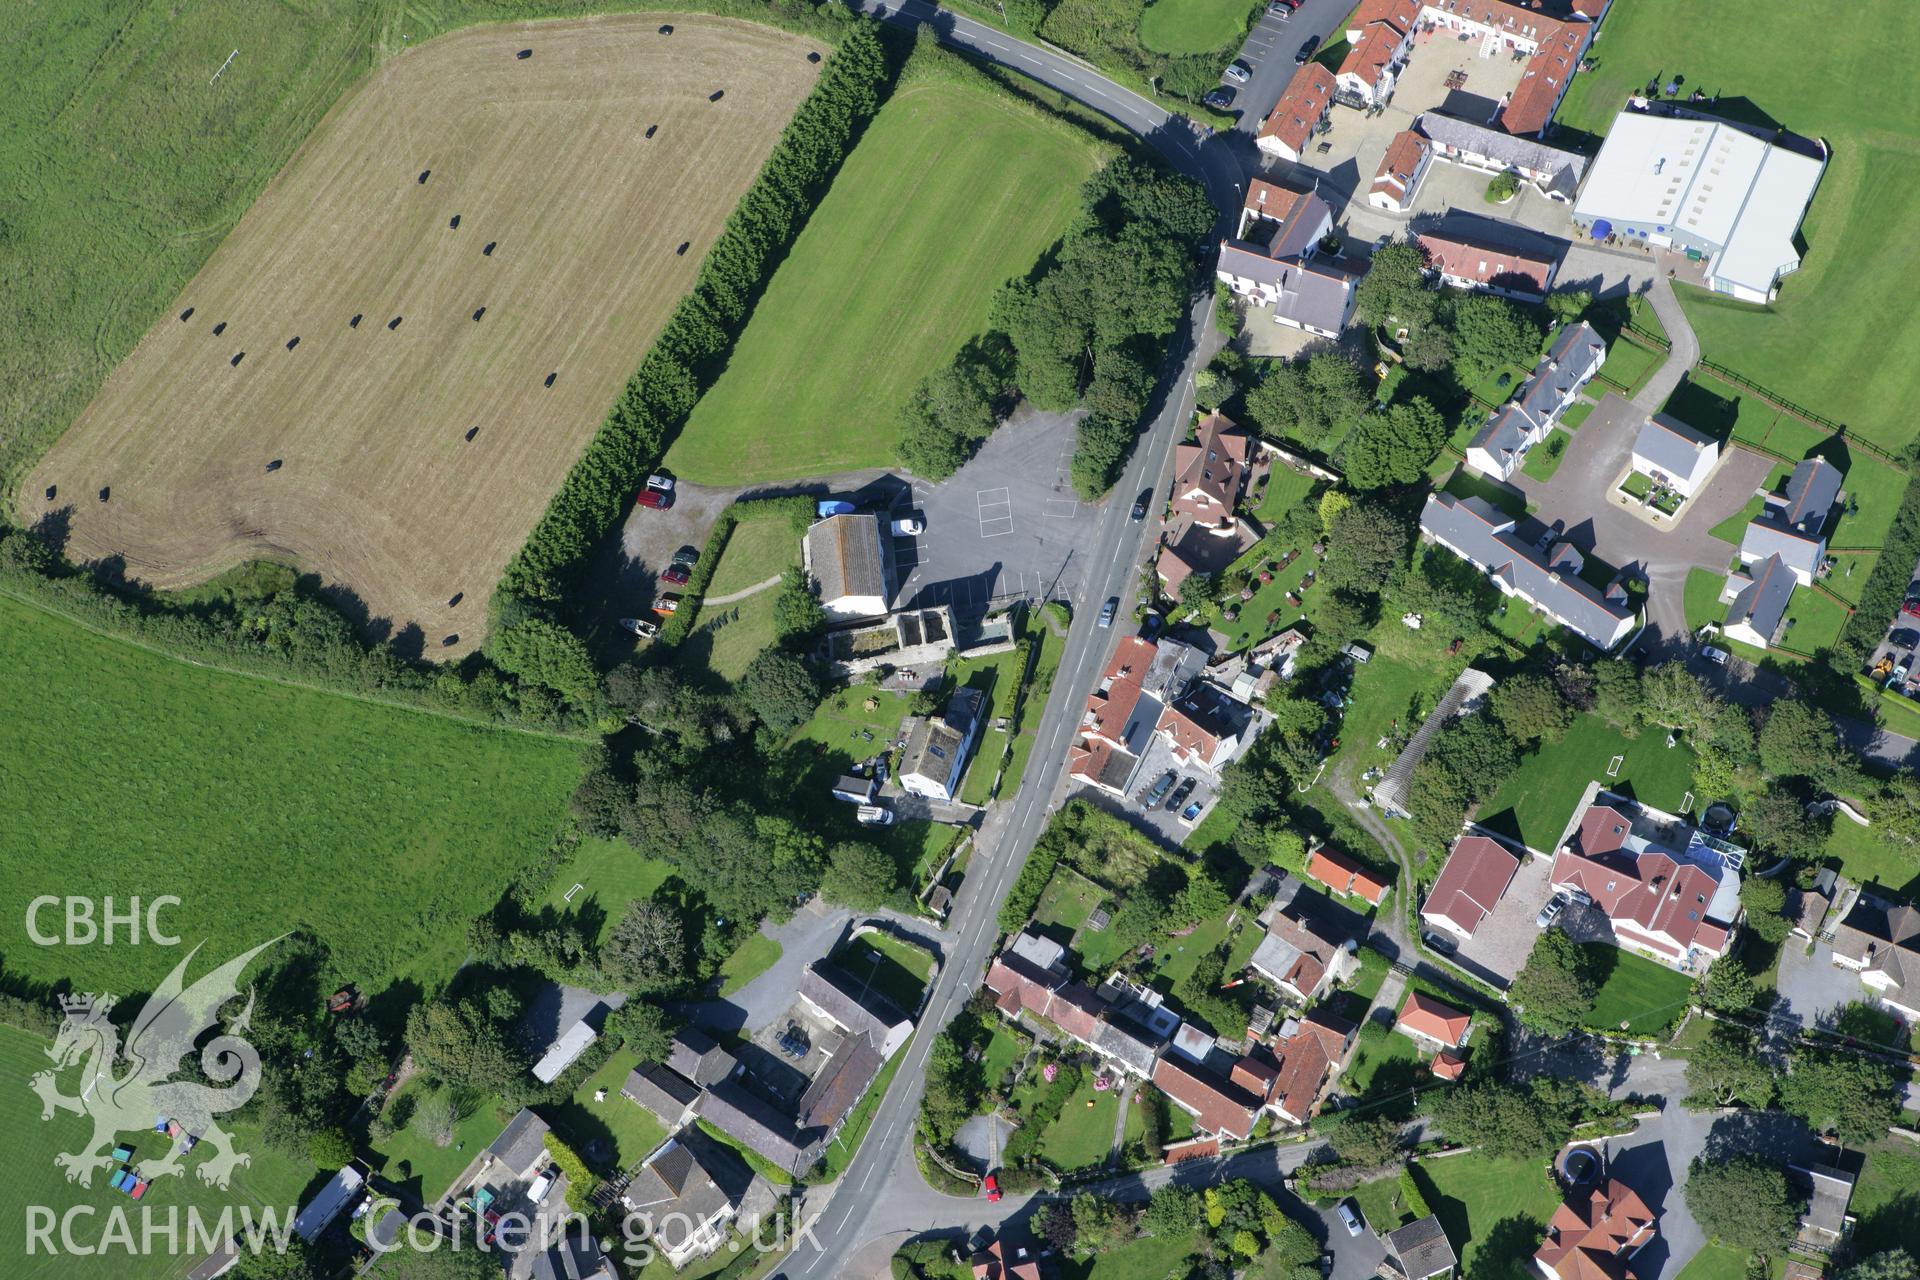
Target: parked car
832	507
667	603
1279	9
640	627
1349	1218
537	1190
873	815
1238	72
1911	609
793	1041
1717	656
1904	638
1307	48
688	555
676	574
1551	912
1107	610
1180	793
1220	99
1191	812
909	527
1140	504
992	1187
1150	626
1158	790
658	494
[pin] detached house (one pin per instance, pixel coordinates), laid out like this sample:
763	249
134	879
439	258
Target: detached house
1343	875
1880	941
1302	109
1477	873
1549	580
1489	268
937	749
1669	894
1595	1234
1783	548
689	1192
1672	454
1275	262
1210	474
1305	951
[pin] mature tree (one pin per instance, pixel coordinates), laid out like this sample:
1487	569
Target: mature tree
782	690
1531	708
1841	1093
1490	333
1197	591
1727	987
1120	386
435	1117
1333	503
859	875
1128	188
1395	289
463	1044
1619	694
1394	446
1428	349
1055	1225
1798	740
1366	1140
1292	1252
1099	1223
1505	1120
1367	543
547	654
1674	697
1893	1264
648	949
1553	991
1172	1210
798	615
1568	305
1764	901
1780	824
644	1028
1895	811
954	409
1742	1201
1305	400
1727	1067
330	1147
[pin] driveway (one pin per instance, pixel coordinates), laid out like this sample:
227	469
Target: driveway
1600	521
1008	525
1505	938
1811	986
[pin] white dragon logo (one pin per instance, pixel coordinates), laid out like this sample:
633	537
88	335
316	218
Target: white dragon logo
165	1032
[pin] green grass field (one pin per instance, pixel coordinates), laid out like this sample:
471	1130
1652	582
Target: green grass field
1841	338
610	873
1193	26
953	190
1285	488
1628	366
270	1180
1703	598
1147	1258
1542	462
262	807
1716	1262
727	638
1876	488
412	1159
1646	996
1178	956
756	550
1720	409
1083	1135
1384	1056
1493	1210
1536	802
1068	900
1814	619
1887	1197
630	1128
900	974
756	955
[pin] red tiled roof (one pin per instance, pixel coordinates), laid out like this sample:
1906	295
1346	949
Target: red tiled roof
1192	1149
1303	103
1475	876
1110	704
1255	1073
1216	1105
1378	42
1432	1018
1405	154
1399	14
1023	987
1272	201
991	1263
1188	737
1590	1236
1658	896
1545	79
1483	264
1447	1065
1343	875
1305	1062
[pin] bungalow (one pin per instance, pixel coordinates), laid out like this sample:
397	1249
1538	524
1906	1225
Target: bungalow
1298	115
1880	940
687	1192
1343	875
1406	162
1512	430
1489	268
1672	454
1680	906
1550	580
1476	874
844	555
1432	1024
1419	1251
937	749
1556	174
1284	272
1379	41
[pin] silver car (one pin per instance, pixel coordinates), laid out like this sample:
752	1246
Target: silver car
1551	912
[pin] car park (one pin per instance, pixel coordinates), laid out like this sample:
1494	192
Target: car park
658	495
1238	72
640	627
1348	1218
1158	790
1180	793
1220	99
1551	912
1107	610
1307	49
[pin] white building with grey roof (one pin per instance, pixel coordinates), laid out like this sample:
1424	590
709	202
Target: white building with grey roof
1501	445
1705	187
847	560
1548	580
1672	454
1556	174
1757	602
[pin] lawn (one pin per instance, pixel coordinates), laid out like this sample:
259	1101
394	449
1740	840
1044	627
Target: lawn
411	1158
1702	601
953	189
1734	527
1648	997
1391	695
1285	488
756	955
1271	598
1384	1056
1147	1258
1842	336
262	807
1068	900
1496	1208
757	549
1814	619
1178	956
985	767
1004	1048
1500	385
1866	858
1716	1262
629	1129
1720	409
1544	460
1193	26
890	967
1887	1197
1083	1135
270	1179
610	873
1381	1204
1536	802
1627	366
1875	488
1373	973
1576	414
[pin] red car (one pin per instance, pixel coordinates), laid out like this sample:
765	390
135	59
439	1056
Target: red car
1911	608
992	1187
658	494
676	574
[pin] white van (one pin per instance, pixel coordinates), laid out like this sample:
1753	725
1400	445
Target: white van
542	1184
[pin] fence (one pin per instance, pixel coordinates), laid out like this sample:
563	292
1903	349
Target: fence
1804	414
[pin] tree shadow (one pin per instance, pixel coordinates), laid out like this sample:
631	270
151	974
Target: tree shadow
1505	1252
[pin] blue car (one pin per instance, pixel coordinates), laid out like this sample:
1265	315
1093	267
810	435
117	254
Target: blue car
833	508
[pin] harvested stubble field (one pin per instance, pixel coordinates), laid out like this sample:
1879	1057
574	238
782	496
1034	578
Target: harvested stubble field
546	159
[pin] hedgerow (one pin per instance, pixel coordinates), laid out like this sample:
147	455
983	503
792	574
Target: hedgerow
690	351
680	622
1886	586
